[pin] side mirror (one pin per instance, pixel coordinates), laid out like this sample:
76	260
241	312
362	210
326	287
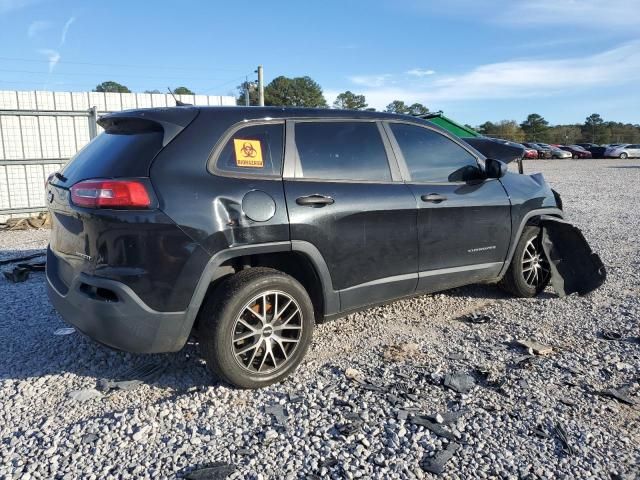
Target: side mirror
495	168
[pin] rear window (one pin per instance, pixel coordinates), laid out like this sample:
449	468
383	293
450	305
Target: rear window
254	150
118	154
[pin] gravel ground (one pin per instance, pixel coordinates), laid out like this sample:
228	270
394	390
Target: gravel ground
510	424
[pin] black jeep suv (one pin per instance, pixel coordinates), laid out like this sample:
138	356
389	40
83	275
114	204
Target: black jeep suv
245	226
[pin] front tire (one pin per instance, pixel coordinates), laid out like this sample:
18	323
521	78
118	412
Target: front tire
529	271
256	327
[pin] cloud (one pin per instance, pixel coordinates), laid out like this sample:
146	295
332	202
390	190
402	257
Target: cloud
7	6
52	55
605	14
512	79
36	27
416	72
65	30
370	80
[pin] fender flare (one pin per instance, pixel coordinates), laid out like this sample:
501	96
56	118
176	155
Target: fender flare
213	271
539	212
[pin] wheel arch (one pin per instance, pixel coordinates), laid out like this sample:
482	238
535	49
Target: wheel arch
301	260
532	217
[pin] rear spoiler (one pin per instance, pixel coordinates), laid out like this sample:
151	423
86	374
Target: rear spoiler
171	121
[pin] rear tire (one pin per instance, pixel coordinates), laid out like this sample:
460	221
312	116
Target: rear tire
624	156
528	273
256	327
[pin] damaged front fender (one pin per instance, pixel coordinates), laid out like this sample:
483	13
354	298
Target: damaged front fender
575	267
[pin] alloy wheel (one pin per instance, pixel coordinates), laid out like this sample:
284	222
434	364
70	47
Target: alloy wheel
267	332
535	267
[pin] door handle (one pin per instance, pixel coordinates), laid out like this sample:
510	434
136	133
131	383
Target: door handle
433	197
315	201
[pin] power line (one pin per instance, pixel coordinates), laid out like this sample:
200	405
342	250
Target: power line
70	62
181	77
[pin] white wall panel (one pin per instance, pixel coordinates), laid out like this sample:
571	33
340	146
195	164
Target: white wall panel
30	138
49	137
96	99
80	100
27	100
128	100
8	100
113	103
11	137
18	195
35	184
4	189
63	100
45	100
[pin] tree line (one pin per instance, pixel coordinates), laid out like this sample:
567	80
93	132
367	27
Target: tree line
306	92
536	129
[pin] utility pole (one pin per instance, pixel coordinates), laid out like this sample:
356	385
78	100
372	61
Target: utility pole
260	86
246	92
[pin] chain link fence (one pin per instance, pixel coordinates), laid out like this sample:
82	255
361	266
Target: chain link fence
40	131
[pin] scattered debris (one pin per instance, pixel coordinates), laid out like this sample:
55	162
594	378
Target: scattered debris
330	387
535	348
214	471
141	434
65	331
611	335
561	434
568	402
539	431
138	375
355	375
456	356
459	382
89	438
30	223
401	352
437	463
84	394
278	413
33	267
432	426
478	318
618	394
295	398
270	435
22	259
17	275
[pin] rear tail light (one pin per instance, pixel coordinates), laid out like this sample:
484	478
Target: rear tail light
110	194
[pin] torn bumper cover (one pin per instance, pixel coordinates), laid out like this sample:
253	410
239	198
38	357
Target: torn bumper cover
575	268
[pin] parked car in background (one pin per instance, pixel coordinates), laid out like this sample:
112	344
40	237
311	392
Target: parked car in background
543	152
576	151
559	153
626	150
597	151
530	153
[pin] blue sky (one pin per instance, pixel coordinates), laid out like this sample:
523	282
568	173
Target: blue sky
476	61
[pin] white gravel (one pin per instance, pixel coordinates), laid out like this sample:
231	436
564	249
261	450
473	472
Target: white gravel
180	420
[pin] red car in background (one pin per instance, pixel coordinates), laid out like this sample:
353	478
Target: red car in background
530	153
577	151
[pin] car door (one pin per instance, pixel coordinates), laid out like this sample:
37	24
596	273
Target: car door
464	219
634	150
349	203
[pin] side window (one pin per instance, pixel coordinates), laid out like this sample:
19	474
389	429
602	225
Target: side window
341	151
254	150
432	157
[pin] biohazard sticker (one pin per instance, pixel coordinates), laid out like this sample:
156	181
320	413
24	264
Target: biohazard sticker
248	153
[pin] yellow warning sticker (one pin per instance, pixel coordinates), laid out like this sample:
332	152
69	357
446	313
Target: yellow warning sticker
248	153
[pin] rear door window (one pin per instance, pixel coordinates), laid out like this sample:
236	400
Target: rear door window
254	150
342	151
431	156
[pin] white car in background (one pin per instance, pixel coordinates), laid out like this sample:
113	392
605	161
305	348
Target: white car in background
626	150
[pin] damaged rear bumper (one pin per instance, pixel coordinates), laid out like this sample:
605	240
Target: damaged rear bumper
120	320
